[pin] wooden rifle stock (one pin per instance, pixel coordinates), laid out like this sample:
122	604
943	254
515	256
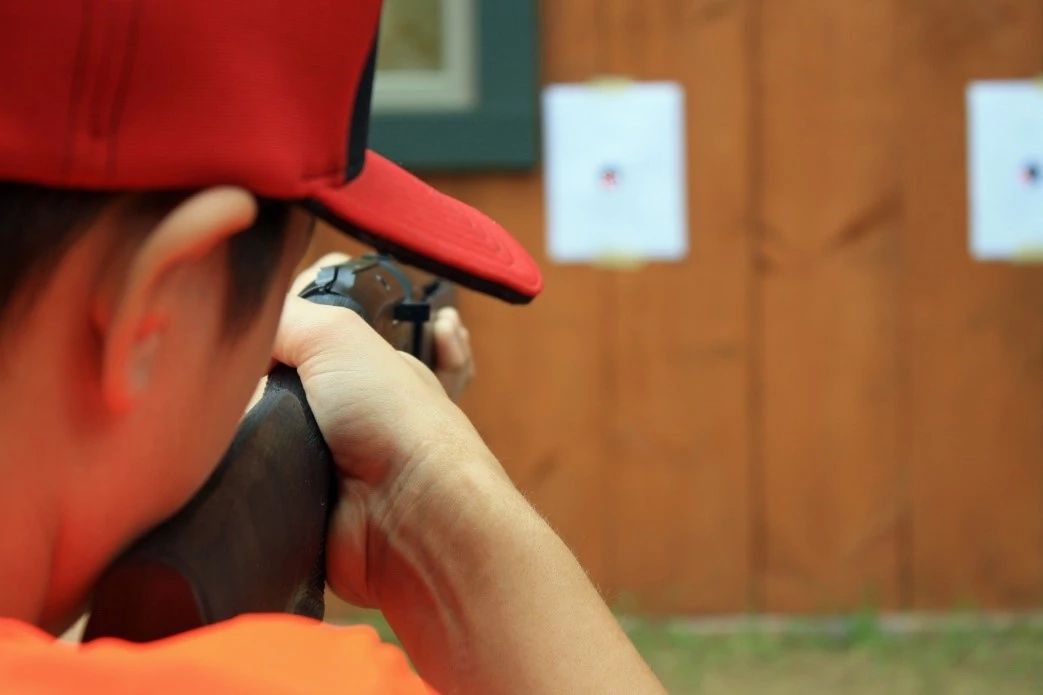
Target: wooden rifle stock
252	540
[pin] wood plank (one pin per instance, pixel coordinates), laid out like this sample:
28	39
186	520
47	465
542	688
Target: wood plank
830	204
679	440
974	331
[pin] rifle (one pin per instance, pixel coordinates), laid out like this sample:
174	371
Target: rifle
253	538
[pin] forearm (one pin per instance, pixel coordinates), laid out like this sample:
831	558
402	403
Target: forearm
490	600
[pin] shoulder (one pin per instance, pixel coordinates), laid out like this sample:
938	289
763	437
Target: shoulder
257	654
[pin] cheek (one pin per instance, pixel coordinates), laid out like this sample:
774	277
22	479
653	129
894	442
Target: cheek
211	403
234	375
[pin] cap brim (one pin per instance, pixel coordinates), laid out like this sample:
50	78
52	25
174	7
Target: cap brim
390	209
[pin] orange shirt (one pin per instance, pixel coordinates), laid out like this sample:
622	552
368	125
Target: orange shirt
256	654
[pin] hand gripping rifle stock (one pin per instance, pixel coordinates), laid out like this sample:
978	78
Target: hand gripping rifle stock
252	540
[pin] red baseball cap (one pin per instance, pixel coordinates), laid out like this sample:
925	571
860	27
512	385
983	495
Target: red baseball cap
270	95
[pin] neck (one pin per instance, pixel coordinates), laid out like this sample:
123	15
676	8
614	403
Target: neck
26	546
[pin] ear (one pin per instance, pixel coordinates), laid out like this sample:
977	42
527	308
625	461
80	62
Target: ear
132	320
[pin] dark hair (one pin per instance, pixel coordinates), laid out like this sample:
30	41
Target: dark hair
38	225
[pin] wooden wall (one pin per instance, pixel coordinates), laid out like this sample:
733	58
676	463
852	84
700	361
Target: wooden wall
828	405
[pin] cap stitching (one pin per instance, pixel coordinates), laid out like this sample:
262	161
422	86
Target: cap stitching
76	88
123	87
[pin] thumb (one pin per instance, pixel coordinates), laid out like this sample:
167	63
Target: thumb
307	329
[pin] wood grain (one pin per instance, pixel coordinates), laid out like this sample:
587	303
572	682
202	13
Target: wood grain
829	205
973	331
677	417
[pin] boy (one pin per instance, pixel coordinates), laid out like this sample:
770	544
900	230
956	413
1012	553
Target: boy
161	164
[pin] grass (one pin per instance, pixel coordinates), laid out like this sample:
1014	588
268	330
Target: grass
856	656
853	655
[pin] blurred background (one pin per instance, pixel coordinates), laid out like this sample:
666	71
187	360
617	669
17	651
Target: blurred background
827	406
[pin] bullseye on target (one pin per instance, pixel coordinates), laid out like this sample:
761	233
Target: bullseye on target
1031	174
